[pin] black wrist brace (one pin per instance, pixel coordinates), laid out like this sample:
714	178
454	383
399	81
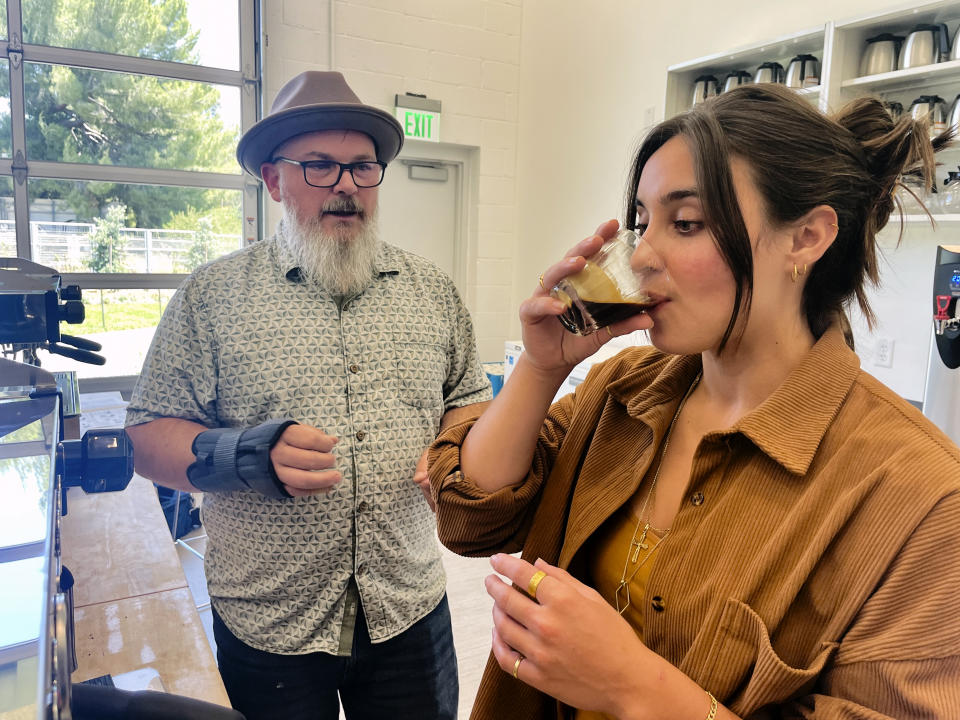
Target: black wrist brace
238	459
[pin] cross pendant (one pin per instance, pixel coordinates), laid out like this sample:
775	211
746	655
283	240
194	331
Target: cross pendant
640	543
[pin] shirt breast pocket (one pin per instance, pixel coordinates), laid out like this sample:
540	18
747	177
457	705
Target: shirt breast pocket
421	361
744	668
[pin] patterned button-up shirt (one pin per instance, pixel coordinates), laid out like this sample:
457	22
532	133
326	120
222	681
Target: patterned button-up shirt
245	340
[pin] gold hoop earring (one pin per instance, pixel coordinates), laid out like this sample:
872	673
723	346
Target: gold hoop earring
797	272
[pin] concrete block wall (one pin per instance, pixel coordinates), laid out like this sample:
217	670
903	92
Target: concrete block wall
465	53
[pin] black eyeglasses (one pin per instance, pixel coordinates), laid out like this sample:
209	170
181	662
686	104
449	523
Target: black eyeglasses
327	173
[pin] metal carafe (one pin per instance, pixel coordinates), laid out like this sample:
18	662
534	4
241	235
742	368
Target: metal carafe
705	86
934	109
941	397
881	54
735	78
926	44
769	72
802	72
953	119
954	50
950	193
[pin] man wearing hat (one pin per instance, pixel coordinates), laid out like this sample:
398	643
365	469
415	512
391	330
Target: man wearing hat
297	383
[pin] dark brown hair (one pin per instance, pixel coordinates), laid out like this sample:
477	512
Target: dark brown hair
799	158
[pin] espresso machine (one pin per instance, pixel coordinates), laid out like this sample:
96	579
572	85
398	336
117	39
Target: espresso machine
37	465
941	396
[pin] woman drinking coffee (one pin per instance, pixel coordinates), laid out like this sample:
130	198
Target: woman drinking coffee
737	521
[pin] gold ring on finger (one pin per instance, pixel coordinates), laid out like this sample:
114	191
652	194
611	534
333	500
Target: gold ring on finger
541	282
534	583
516	665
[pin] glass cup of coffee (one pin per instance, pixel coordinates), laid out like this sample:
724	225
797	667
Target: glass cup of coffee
605	291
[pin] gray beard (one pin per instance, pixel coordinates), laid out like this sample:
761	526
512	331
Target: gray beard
336	262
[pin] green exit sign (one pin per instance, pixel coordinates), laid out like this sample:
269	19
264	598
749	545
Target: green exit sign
419	117
419	124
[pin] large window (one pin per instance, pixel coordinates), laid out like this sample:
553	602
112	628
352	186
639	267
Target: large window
119	121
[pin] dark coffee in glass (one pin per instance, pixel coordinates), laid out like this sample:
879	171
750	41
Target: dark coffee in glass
605	291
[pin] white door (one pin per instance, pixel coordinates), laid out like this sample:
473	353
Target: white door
420	212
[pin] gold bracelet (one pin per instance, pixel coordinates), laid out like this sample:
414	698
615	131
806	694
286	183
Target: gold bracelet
713	706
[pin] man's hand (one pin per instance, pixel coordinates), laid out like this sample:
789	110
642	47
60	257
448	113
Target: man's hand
303	460
421	478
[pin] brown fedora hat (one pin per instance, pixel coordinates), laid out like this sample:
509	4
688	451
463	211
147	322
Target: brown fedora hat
312	101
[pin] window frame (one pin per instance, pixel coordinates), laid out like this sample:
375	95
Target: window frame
20	168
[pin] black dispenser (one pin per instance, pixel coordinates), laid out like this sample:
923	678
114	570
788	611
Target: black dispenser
941	396
946	291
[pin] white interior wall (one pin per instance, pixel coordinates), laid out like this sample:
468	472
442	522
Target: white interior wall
466	54
593	77
554	95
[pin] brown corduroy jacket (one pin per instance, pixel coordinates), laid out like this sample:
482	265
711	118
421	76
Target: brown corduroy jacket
812	572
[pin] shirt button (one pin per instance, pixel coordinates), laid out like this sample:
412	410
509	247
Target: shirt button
362	507
361	434
696	499
354	368
361	569
657	604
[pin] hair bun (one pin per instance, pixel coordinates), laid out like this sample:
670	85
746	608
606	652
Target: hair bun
890	149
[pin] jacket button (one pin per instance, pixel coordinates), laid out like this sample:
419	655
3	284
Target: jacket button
657	604
361	434
696	499
362	507
354	368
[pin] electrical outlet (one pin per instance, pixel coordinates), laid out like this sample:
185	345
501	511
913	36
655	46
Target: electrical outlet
883	352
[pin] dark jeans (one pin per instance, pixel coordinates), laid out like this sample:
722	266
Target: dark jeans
412	676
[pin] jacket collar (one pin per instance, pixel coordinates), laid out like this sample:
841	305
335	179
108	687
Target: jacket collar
788	426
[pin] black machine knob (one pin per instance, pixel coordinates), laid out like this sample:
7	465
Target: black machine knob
71	312
102	461
71	292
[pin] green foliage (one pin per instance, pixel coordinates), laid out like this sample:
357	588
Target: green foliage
107	246
121	310
91	116
220	207
201	249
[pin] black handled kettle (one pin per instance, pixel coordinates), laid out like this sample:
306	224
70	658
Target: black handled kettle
926	44
803	72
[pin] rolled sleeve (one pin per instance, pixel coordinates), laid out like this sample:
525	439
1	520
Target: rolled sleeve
477	523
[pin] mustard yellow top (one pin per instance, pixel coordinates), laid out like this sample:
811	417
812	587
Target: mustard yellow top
838	586
610	548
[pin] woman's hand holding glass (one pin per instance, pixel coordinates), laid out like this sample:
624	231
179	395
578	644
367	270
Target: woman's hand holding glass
548	346
574	645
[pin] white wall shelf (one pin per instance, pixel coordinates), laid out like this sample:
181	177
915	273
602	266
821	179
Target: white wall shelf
938	218
928	76
902	305
680	77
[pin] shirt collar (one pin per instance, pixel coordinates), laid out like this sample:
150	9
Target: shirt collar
788	426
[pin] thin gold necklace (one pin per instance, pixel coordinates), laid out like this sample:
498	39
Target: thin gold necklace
622	593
